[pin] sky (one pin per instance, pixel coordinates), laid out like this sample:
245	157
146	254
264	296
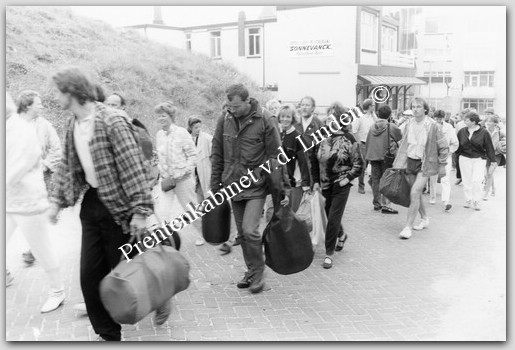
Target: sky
180	16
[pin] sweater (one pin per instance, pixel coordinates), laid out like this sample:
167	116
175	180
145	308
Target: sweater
377	140
25	190
479	146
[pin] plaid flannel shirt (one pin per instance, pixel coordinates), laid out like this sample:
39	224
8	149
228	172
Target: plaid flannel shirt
119	167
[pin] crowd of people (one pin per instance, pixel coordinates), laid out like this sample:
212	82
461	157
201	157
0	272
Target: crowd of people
109	164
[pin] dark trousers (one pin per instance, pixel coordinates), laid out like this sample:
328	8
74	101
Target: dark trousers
361	179
247	215
335	202
101	237
378	169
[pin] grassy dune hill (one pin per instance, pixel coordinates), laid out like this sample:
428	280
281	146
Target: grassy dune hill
40	40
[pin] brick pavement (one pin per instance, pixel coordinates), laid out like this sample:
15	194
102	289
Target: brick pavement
445	283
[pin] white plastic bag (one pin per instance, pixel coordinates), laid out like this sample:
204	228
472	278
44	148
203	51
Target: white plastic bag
304	212
318	217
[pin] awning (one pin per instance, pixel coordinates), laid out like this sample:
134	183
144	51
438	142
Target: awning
389	80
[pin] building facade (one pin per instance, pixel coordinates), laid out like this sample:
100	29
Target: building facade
333	53
463	58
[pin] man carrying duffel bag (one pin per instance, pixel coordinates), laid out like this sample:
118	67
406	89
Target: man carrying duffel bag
102	158
245	138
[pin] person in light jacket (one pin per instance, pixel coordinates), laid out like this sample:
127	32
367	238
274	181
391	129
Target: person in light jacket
30	109
26	200
498	137
423	152
452	139
203	143
177	159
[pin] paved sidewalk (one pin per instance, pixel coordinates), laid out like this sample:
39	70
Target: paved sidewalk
447	282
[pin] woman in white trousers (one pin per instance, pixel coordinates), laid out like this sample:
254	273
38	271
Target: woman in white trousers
177	160
475	149
27	200
452	139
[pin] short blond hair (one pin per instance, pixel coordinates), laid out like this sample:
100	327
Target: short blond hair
166	108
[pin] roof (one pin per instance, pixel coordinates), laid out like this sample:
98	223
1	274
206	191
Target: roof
389	80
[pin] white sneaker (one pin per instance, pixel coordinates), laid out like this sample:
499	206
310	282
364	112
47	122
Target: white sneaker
423	224
199	242
80	307
405	233
467	204
54	300
476	206
432	201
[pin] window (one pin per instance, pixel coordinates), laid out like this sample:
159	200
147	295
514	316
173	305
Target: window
479	79
254	42
389	39
437	77
368	31
479	104
188	41
216	45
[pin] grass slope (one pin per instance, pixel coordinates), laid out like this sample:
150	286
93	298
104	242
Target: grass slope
41	40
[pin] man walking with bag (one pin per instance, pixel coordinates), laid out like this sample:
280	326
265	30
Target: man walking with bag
101	157
245	138
423	153
381	147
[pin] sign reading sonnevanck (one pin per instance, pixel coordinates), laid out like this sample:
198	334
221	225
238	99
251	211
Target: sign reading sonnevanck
310	48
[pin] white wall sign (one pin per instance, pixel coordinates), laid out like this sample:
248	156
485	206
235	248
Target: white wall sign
309	48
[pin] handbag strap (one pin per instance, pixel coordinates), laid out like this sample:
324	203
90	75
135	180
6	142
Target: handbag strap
388	139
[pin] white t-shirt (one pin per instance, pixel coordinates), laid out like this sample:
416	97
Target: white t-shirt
417	138
82	135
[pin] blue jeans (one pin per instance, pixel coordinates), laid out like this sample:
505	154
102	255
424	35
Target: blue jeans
247	215
378	169
335	202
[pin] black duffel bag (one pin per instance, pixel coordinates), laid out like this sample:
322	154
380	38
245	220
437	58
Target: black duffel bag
216	224
395	186
288	247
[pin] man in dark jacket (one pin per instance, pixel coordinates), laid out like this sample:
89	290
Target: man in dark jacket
382	137
245	141
309	123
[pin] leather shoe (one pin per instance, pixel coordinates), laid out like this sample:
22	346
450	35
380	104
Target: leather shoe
388	210
245	281
257	285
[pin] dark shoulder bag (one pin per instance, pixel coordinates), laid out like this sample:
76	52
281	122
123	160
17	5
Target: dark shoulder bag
389	157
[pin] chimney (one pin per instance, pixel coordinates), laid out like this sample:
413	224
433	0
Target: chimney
158	19
241	33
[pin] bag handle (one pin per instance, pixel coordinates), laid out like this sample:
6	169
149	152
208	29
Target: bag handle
138	236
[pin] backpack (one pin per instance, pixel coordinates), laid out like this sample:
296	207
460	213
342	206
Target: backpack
144	139
147	148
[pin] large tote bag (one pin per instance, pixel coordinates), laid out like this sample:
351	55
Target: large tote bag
133	289
216	224
395	186
286	239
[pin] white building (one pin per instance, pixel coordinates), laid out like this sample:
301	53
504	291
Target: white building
333	53
463	51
